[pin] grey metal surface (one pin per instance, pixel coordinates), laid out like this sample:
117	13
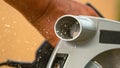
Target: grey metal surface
93	64
80	53
109	59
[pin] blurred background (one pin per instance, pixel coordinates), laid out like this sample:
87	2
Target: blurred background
19	40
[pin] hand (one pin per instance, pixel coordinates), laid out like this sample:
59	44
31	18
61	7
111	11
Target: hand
42	14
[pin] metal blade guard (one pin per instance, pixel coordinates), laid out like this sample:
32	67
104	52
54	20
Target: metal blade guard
85	42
